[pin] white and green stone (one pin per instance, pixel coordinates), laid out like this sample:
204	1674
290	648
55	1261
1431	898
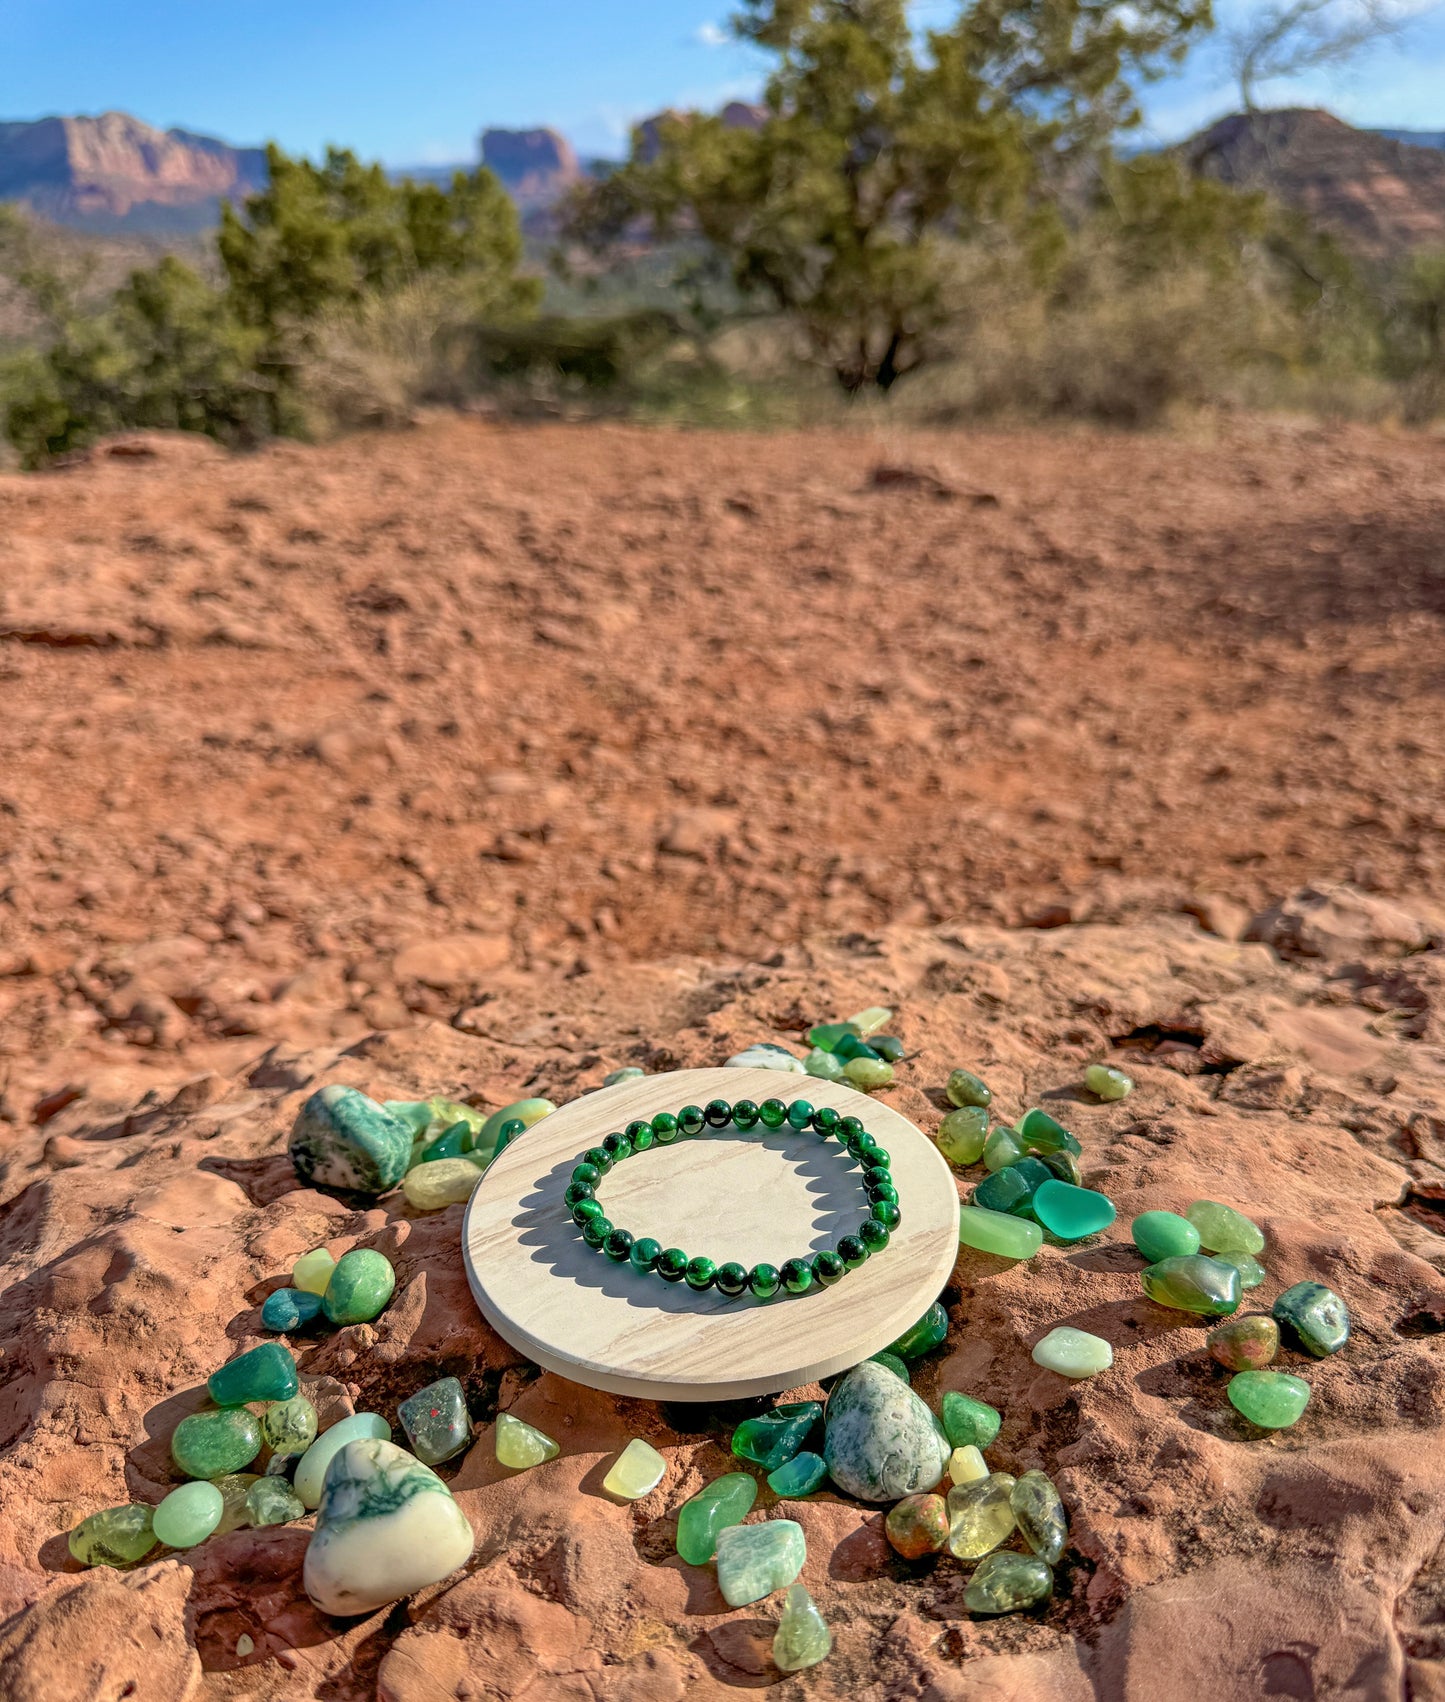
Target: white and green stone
880	1441
289	1427
755	1560
311	1473
342	1139
802	1638
272	1501
1073	1353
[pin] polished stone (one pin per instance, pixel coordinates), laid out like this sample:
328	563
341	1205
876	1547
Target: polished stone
801	1476
967	1465
868	1073
289	1427
1001	1149
342	1139
965	1088
1073	1353
802	1638
1008	1583
272	1501
1071	1214
928	1333
1164	1235
773	1438
1271	1399
289	1309
266	1373
1251	1273
440	1182
1039	1511
1005	1236
436	1421
636	1471
1245	1344
880	1440
360	1287
1312	1318
188	1515
763	1055
917	1525
117	1536
1107	1083
311	1472
1193	1282
824	1066
523	1111
312	1271
755	1560
726	1501
897	1366
969	1422
209	1444
980	1516
1224	1230
963	1134
1012	1189
1038	1132
520	1446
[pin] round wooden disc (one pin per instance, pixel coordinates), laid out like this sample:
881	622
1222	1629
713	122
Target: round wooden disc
768	1195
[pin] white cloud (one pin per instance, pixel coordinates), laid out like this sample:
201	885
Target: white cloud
713	35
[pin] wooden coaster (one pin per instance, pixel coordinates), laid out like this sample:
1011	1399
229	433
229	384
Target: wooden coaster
768	1195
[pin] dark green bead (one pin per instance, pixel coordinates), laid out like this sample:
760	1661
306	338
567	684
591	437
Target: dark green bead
800	1114
828	1268
663	1128
888	1046
618	1245
645	1254
588	1173
773	1113
672	1264
852	1251
888	1214
718	1113
745	1115
848	1127
865	1144
577	1192
596	1230
765	1281
587	1210
644	1138
877	1157
509	1131
826	1120
619	1146
877	1175
638	1126
701	1273
878	1192
797	1275
874	1235
599	1158
691	1120
732	1279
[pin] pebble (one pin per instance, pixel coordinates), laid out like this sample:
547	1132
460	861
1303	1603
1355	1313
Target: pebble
1245	1344
342	1139
726	1501
880	1441
210	1444
1251	1272
290	1309
360	1287
963	1134
1312	1318
765	1056
1012	1189
1164	1235
1071	1214
118	1536
520	1446
1008	1583
1193	1282
922	1337
980	1516
266	1373
966	1465
998	1233
289	1427
636	1472
188	1515
864	1023
1001	1149
803	1474
889	1047
386	1527
1107	1083
802	1638
1073	1353
965	1088
1271	1399
629	1073
868	1073
312	1271
234	1488
440	1182
755	1560
1224	1230
272	1501
311	1472
825	1066
1038	1132
245	1645
436	1421
969	1423
1039	1512
773	1438
917	1525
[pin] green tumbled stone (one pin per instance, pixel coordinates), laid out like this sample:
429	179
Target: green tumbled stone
869	1021
454	1142
701	1273
360	1287
823	1066
1039	1511
774	1438
1038	1132
827	1034
234	1488
963	1134
210	1444
523	1111
672	1264
1013	1188
1164	1235
1251	1272
799	1476
509	1131
1008	1583
1245	1344
1073	1353
755	1560
868	1073
1001	1149
772	1113
797	1275
1193	1282
997	1232
1313	1318
802	1638
893	1363
629	1072
725	1501
1070	1213
436	1421
980	1515
889	1048
289	1309
519	1446
118	1536
924	1336
311	1473
188	1515
342	1139
1271	1399
852	1047
764	1281
289	1428
1224	1230
1107	1083
969	1423
965	1088
272	1501
732	1279
266	1373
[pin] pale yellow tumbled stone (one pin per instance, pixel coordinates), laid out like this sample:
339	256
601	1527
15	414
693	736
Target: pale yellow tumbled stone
312	1271
521	1445
442	1182
967	1465
980	1516
637	1472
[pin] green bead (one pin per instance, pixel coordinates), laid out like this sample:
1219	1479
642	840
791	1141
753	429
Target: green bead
266	1373
799	1476
718	1113
272	1501
1193	1283
823	1066
1271	1399
732	1279
764	1281
618	1246
965	1088
645	1136
701	1273
852	1251
618	1146
585	1210
1313	1318
436	1421
745	1115
188	1515
773	1438
999	1233
876	1158
1011	1189
962	1135
1038	1132
849	1128
1070	1214
665	1127
691	1120
361	1285
1164	1235
969	1423
797	1275
883	1190
828	1268
645	1254
1107	1083
118	1536
891	1362
874	1235
868	1073
924	1336
1001	1150
672	1264
599	1158
772	1113
1008	1583
638	1126
725	1501
596	1230
1251	1272
289	1427
826	1120
577	1192
587	1174
887	1213
1039	1512
210	1444
454	1142
827	1034
800	1114
1224	1230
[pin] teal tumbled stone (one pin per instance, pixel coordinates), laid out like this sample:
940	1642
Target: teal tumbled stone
289	1309
266	1373
1271	1399
360	1287
799	1476
342	1139
1313	1318
726	1501
924	1336
1164	1235
210	1444
1068	1213
1012	1189
773	1438
454	1142
755	1560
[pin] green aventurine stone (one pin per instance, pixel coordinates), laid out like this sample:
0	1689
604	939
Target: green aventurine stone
360	1287
1271	1399
1008	1583
1164	1235
188	1515
266	1373
725	1501
773	1438
1314	1318
1193	1283
210	1444
342	1139
827	1034
119	1536
1012	1189
1245	1344
969	1423
924	1336
1251	1272
272	1501
965	1088
802	1638
1039	1510
823	1066
800	1476
1001	1149
755	1560
436	1421
963	1134
998	1233
1106	1082
289	1427
520	1446
1038	1132
1224	1230
1069	1213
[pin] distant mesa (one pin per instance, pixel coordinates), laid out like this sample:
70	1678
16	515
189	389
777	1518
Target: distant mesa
736	115
535	167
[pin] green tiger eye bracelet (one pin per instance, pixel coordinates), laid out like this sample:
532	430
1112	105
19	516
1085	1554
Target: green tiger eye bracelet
794	1276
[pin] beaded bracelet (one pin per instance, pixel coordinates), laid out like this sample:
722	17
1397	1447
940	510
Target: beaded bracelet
798	1275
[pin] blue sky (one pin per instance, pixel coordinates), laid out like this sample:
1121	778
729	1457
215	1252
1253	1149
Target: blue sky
415	83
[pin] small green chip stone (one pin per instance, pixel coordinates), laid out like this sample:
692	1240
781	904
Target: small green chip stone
999	1233
189	1514
963	1134
969	1423
922	1337
1107	1083
802	1638
1070	1214
799	1476
965	1088
1224	1230
1271	1399
1164	1235
1313	1318
1193	1283
118	1536
210	1444
360	1287
725	1501
266	1373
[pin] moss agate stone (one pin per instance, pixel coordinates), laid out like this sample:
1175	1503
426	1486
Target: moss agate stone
521	1446
1071	1214
1039	1512
803	1474
289	1427
1193	1283
386	1527
1107	1083
1245	1344
636	1472
980	1516
1312	1318
802	1638
311	1472
1164	1235
312	1271
773	1438
965	1088
1008	1583
755	1560
969	1423
360	1287
1224	1230
1073	1353
342	1139
119	1536
917	1525
999	1233
724	1502
266	1373
880	1440
272	1501
1271	1399
289	1309
963	1134
210	1444
436	1421
765	1056
920	1338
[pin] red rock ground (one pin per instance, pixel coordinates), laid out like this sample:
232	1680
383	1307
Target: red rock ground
483	760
